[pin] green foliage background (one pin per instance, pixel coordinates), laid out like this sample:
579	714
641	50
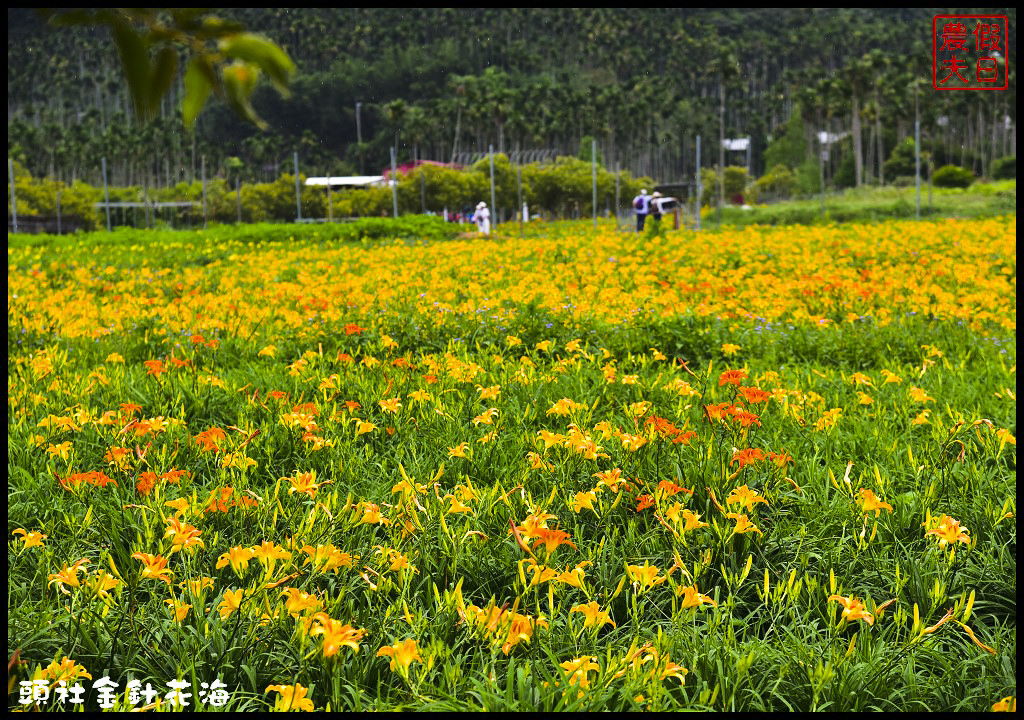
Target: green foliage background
438	83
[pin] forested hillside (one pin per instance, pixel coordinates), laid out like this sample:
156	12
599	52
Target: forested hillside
444	84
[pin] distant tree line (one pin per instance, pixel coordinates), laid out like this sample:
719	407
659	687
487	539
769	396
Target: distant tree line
444	83
559	189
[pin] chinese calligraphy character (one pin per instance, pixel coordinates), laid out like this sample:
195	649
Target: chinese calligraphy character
954	66
988	70
954	36
61	692
135	695
987	37
175	696
105	688
214	693
33	691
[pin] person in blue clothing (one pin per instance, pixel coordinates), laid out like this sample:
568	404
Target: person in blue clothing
641	206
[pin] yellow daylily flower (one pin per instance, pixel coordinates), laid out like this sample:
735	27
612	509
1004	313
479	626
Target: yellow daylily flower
291	697
30	539
232	601
402	655
593	615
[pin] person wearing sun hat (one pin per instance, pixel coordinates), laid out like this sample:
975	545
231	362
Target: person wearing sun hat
482	218
655	213
655	207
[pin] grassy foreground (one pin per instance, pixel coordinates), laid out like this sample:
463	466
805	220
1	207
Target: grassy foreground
873	204
759	469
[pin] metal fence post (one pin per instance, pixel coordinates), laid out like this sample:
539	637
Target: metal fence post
14	201
917	168
593	176
204	191
330	200
700	191
618	171
394	185
494	207
298	193
106	193
519	198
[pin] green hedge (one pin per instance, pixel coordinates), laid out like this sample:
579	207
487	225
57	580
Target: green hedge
1005	168
951	176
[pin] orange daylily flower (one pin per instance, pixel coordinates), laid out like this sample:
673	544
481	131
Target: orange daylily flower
372	515
644	502
305	483
731	377
178	608
154	367
402	655
565	406
68	576
870	502
533	524
717	411
745	497
584	500
30	539
232	601
291	697
754	395
459	450
644	577
154	566
198	586
298	601
183	536
1007	704
692	598
861	379
390	405
743	524
577	671
574	576
552	539
747	456
853	609
336	634
325	558
593	615
949	531
486	417
268	554
746	419
66	671
550	439
238	558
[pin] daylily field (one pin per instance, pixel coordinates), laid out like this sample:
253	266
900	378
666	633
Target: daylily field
758	469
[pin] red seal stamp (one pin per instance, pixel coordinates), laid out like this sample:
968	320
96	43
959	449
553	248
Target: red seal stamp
970	52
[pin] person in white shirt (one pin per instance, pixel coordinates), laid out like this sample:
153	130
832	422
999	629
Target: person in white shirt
482	218
641	206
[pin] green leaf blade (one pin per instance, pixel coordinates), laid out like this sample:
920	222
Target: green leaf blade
197	89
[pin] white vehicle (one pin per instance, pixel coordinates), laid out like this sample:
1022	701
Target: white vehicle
663	205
